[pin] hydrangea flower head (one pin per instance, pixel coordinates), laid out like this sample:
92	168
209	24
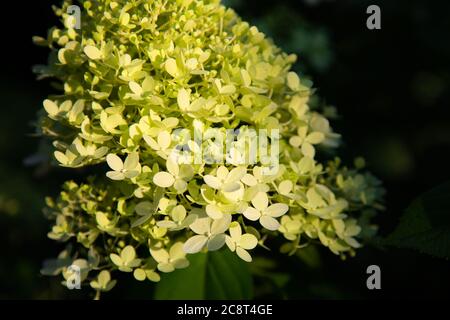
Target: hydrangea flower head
148	93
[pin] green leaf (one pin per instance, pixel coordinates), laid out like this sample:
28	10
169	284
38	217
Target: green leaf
425	225
213	275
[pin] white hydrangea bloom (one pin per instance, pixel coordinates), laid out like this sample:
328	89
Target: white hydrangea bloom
264	213
210	233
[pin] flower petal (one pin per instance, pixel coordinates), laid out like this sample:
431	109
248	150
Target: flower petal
235	231
171	67
131	162
114	175
236	174
252	214
212	181
180	263
315	137
176	251
131	174
114	162
166	224
178	213
216	242
183	99
180	185
128	254
195	244
221	225
214	212
166	267
151	142
285	187
231	187
186	172
163	179
243	254
269	223
260	201
136	88
308	150
116	259
277	210
164	140
201	225
160	255
230	243
249	180
144	208
173	167
92	52
293	81
222	172
295	141
248	241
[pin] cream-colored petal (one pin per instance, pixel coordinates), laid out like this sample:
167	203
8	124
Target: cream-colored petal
269	223
195	244
248	241
114	162
277	210
214	212
163	179
252	214
260	201
243	254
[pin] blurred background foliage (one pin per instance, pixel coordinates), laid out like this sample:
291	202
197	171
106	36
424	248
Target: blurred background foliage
391	90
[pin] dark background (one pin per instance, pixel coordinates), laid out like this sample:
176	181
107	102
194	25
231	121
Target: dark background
391	90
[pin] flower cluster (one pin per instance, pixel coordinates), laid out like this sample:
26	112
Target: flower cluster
138	81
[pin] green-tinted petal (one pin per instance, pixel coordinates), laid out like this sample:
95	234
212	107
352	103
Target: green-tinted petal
293	81
160	255
166	267
114	175
235	231
285	187
183	99
308	150
212	181
277	210
216	242
214	212
116	259
171	67
144	208
178	213
164	140
163	179
315	137
92	52
195	244
128	254
51	107
139	274
114	162
221	225
131	162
